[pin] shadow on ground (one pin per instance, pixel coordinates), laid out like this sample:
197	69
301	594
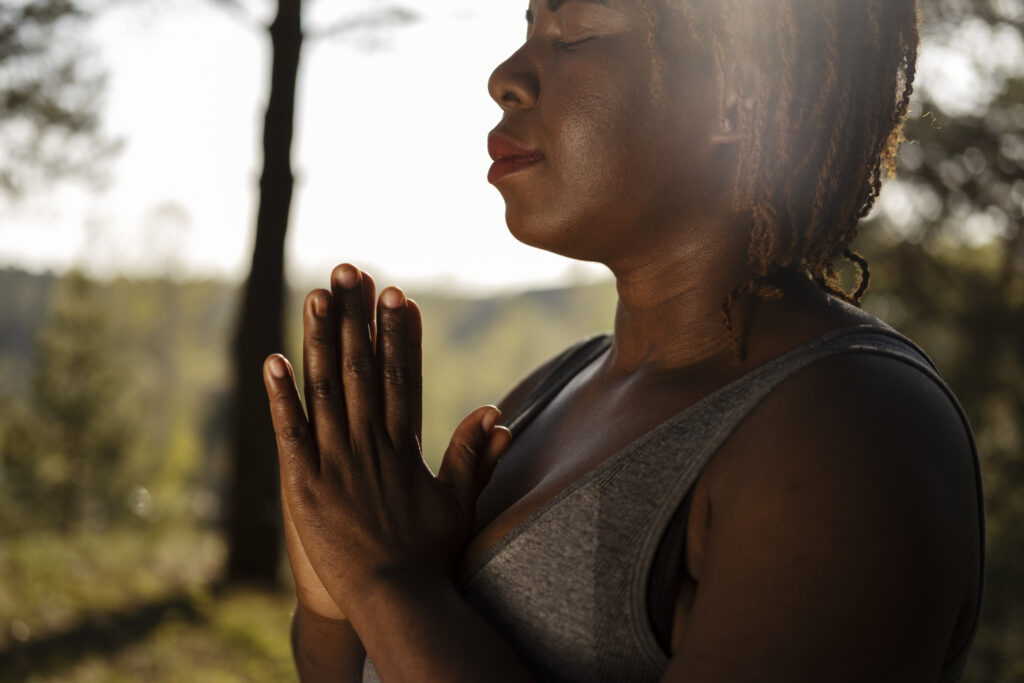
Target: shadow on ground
98	634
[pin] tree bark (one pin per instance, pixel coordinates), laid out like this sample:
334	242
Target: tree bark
254	519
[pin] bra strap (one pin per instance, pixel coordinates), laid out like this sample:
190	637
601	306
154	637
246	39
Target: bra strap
575	360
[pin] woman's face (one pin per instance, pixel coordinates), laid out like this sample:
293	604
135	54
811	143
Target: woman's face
606	148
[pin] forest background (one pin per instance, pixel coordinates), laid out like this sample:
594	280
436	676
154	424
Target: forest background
116	405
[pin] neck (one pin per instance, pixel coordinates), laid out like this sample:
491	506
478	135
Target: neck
669	314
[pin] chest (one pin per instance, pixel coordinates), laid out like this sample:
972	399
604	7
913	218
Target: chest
581	428
567	581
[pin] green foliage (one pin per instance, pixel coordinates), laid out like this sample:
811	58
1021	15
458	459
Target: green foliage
51	581
68	446
24	307
50	96
117	407
54	585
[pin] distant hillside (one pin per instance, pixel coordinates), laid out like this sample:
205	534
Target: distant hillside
173	339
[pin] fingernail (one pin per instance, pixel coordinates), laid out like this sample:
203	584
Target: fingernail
499	440
320	306
392	297
278	368
490	419
346	275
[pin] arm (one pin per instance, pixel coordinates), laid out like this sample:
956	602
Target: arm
842	539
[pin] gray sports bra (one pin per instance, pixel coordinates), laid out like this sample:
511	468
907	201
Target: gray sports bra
576	587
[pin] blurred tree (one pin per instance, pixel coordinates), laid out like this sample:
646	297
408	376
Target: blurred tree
170	342
67	445
949	256
253	526
254	515
50	96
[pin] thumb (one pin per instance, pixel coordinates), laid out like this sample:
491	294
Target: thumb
472	454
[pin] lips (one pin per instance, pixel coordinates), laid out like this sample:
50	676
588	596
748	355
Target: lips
509	157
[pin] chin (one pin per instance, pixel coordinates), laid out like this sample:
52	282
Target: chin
570	239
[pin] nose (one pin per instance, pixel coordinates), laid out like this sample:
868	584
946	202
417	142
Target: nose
514	84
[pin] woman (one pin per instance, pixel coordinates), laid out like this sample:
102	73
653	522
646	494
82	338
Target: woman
751	479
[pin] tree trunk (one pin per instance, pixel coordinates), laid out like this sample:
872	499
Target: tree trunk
254	519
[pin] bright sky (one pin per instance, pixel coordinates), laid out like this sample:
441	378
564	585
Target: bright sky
390	155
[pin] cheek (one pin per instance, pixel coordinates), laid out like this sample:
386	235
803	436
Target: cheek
624	156
597	137
587	140
619	155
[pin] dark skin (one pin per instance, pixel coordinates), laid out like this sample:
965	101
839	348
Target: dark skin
828	539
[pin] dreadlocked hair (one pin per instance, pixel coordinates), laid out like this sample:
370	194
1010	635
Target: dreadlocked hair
825	87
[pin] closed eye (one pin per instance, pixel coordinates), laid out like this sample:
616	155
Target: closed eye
571	45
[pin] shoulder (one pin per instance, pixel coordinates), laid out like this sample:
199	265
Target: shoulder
867	441
863	407
865	412
843	518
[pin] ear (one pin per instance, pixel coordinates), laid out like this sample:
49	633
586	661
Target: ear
736	101
729	130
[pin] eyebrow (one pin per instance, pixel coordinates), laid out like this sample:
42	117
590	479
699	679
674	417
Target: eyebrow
554	5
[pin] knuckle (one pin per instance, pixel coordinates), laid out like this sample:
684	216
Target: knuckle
391	324
325	387
294	434
392	346
358	367
319	335
351	304
396	375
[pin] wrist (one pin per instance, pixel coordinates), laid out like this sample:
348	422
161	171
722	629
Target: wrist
311	616
387	588
418	627
325	649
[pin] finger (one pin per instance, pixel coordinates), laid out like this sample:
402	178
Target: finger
321	379
472	454
295	447
369	299
357	362
414	321
393	362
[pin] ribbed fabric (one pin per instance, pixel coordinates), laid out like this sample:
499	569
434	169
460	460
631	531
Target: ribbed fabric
568	588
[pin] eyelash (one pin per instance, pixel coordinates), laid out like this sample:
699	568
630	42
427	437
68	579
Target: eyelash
562	45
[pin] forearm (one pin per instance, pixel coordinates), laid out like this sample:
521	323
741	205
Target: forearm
326	650
420	629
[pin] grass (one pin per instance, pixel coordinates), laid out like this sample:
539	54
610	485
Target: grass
134	605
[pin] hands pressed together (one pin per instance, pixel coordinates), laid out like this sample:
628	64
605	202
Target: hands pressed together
360	505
